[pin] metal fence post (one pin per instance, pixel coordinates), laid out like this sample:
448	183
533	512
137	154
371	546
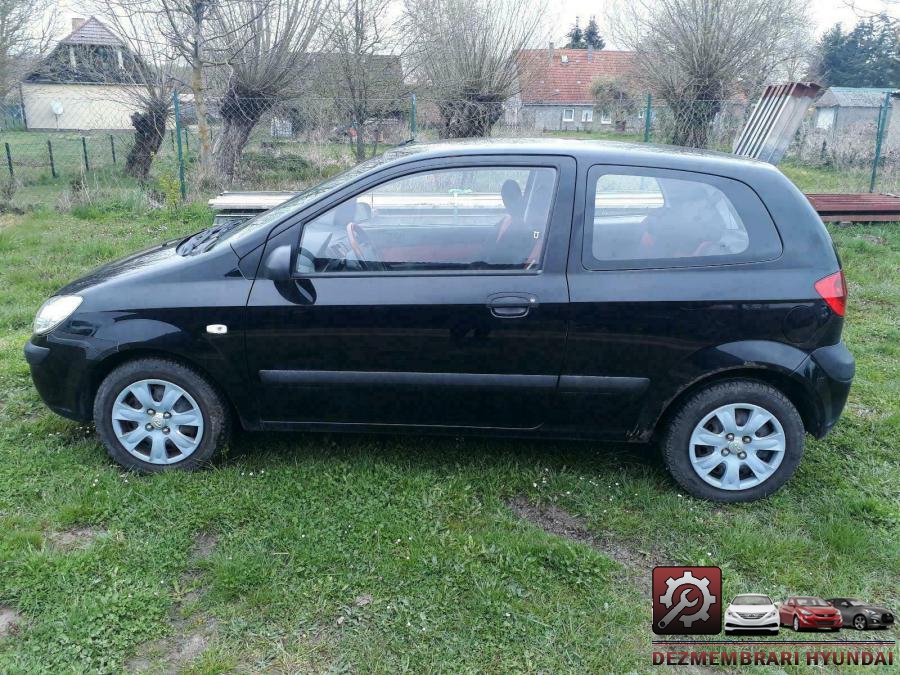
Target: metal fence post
187	142
50	152
413	123
87	166
882	123
647	114
112	147
9	160
180	155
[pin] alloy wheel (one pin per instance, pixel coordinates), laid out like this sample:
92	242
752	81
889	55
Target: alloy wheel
737	446
859	623
157	421
796	625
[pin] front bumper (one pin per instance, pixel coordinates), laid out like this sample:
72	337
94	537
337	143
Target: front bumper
820	622
828	371
62	369
735	621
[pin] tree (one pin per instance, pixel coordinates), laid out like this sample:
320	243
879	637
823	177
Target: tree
576	37
265	46
467	52
867	56
147	80
365	79
26	31
694	54
592	36
616	95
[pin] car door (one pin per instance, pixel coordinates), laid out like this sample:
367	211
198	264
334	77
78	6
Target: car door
406	305
646	287
786	611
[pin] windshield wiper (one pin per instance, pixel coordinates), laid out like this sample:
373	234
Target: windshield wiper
205	238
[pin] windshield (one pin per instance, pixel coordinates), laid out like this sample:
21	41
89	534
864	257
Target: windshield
752	600
303	199
856	603
812	602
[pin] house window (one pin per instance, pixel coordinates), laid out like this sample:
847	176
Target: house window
568	114
587	115
605	117
825	118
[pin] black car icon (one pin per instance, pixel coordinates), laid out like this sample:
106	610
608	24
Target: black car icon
861	615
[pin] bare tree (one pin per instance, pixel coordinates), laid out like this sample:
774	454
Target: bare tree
366	73
147	79
617	96
696	53
266	54
26	31
467	52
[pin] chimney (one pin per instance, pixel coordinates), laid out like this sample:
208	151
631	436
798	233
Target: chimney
77	22
550	54
590	53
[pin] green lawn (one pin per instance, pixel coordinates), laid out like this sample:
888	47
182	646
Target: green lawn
370	553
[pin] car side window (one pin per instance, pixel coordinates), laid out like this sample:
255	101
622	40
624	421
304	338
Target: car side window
652	218
442	220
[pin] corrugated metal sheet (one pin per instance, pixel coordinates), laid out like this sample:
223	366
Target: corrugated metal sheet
774	120
859	208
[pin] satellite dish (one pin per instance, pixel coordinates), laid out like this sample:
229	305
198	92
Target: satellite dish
57	109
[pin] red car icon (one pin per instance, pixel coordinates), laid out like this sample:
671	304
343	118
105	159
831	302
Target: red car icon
807	613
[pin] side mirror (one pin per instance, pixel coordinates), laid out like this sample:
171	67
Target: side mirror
277	265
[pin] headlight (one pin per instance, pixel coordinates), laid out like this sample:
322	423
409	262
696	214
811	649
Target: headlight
871	611
54	312
771	614
805	612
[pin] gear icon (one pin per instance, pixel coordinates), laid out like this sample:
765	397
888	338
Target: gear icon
688	579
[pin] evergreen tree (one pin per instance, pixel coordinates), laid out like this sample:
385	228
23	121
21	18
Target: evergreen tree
592	36
576	37
867	56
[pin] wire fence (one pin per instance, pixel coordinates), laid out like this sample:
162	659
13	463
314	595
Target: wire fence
55	149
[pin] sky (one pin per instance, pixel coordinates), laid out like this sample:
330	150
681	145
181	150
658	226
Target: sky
824	13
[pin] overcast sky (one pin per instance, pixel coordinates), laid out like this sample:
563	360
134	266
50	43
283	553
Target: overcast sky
824	13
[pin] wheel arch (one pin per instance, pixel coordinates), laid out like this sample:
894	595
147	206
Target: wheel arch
790	387
122	356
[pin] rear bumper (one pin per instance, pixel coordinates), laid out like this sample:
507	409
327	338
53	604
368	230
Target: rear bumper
829	373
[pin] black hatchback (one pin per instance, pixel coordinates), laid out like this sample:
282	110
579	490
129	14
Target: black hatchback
531	288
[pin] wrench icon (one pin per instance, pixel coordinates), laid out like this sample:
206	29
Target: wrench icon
680	605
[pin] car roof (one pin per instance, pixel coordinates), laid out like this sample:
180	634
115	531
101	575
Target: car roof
588	150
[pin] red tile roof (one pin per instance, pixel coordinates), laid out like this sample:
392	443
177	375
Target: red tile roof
543	81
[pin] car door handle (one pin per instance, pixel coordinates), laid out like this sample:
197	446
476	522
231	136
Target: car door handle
511	306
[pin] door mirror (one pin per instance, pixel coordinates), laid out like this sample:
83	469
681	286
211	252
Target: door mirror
277	265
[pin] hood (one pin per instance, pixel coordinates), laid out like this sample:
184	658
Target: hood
752	609
132	265
820	611
882	610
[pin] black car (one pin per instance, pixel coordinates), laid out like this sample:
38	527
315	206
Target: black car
861	615
551	288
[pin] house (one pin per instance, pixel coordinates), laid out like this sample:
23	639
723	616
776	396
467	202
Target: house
555	89
840	109
86	82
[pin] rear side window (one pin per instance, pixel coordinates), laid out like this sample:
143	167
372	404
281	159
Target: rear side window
651	218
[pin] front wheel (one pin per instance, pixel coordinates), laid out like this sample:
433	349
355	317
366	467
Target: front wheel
796	625
155	414
734	441
859	622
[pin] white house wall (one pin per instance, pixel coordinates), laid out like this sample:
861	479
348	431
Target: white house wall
84	106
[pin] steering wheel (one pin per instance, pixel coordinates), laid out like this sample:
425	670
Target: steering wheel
367	254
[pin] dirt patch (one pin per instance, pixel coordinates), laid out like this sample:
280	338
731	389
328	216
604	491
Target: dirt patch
637	564
10	622
77	537
190	637
874	239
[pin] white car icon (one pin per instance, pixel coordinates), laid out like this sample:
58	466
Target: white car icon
751	611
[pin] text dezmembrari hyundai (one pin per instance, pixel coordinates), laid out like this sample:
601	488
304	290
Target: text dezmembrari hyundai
554	288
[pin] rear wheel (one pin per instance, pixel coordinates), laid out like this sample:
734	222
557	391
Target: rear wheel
734	441
156	414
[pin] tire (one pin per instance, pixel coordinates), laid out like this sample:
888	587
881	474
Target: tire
796	625
860	625
207	408
676	439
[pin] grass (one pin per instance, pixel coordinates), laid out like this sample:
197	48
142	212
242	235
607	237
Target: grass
364	553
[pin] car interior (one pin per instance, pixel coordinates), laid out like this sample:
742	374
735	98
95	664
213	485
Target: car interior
456	219
643	217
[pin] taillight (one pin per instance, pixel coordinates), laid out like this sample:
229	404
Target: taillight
833	290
